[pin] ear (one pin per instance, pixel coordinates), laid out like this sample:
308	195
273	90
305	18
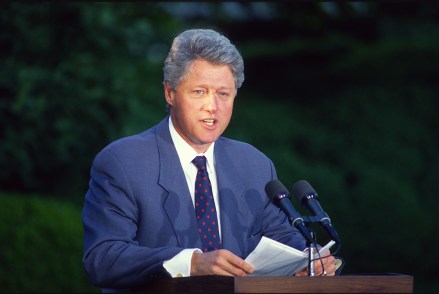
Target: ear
169	93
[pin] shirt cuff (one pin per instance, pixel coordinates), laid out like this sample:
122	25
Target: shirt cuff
180	265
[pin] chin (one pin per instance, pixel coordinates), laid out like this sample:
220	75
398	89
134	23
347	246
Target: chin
208	139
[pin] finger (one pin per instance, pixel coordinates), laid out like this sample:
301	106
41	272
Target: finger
325	266
219	262
235	265
241	264
209	263
302	273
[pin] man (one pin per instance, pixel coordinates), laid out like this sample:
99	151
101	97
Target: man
142	217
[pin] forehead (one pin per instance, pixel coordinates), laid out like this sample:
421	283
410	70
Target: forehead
202	71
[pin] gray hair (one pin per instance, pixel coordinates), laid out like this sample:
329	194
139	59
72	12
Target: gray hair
203	44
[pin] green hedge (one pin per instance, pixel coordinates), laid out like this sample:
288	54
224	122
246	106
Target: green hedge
41	245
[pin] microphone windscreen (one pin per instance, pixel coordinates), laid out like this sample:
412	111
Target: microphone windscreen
301	189
275	188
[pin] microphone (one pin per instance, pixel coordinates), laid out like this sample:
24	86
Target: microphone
279	195
308	197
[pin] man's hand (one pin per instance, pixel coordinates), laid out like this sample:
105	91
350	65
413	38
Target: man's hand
219	262
328	268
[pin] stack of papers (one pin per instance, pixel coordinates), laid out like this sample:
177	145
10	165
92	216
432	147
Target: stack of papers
271	258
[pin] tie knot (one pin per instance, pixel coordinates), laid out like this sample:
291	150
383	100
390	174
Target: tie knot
200	162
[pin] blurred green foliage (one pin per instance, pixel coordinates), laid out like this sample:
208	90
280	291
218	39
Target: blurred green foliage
41	247
73	77
340	94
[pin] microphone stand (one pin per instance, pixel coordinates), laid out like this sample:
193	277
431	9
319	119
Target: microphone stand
311	246
311	250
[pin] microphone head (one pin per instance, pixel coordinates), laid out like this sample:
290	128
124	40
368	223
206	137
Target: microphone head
276	191
302	189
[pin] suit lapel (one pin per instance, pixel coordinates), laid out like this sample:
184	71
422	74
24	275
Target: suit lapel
232	208
178	203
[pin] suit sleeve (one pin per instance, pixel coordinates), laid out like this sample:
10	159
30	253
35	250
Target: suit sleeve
112	256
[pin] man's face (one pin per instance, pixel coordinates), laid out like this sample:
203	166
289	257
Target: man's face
202	104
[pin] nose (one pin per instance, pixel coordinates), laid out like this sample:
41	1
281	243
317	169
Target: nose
211	103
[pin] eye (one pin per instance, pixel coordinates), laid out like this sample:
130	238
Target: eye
199	92
224	94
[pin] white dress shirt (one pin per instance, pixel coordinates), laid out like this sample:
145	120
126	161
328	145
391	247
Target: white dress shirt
180	265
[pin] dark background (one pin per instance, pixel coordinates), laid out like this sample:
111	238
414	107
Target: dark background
342	94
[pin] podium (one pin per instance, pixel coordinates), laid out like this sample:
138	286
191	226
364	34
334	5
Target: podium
386	283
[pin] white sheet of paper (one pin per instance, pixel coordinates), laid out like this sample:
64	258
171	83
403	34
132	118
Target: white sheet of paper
271	258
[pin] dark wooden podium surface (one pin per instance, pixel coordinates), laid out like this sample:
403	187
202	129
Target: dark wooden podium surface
394	283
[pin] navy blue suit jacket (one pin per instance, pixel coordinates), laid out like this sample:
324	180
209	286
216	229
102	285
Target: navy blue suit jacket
138	210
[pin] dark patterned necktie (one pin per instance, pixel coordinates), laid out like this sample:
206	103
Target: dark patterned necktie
205	208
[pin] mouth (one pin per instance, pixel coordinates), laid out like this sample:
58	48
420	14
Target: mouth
209	122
